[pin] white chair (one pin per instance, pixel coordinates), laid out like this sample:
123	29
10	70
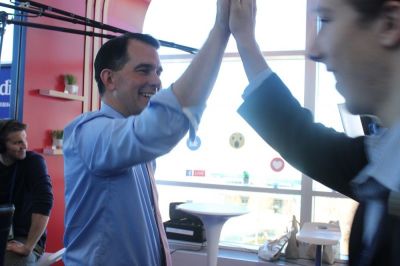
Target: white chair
48	258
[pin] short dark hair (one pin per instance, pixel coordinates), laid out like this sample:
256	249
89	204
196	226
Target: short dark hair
113	54
368	9
8	126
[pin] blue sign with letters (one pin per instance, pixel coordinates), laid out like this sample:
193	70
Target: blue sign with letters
5	90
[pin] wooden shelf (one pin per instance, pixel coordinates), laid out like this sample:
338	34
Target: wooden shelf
60	94
51	151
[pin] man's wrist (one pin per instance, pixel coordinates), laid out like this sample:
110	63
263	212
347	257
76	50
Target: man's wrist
29	246
221	31
246	42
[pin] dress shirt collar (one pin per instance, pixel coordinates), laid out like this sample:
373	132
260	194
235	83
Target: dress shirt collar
105	108
384	158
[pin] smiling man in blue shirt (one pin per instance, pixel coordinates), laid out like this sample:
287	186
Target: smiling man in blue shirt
111	205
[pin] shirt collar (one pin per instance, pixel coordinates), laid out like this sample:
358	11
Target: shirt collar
107	109
383	151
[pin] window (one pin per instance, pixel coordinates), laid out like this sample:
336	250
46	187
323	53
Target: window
233	164
7	38
6	45
326	112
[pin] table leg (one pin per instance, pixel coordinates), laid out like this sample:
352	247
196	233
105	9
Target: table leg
318	255
213	227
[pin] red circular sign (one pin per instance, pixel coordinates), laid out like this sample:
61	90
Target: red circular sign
277	164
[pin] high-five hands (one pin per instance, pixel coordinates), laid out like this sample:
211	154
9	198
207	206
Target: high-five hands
223	9
242	23
242	19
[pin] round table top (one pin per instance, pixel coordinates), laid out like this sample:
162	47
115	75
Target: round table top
319	233
214	209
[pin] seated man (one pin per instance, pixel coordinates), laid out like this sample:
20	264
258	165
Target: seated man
25	183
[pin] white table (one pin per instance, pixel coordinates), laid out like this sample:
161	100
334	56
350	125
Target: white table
213	217
319	234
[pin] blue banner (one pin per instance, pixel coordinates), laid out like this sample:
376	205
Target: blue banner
5	91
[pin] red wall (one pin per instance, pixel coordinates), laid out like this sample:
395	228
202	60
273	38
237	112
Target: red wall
127	14
49	55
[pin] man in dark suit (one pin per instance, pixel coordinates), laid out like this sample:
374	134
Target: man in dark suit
359	41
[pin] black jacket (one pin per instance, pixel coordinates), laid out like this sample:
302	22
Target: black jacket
325	155
32	192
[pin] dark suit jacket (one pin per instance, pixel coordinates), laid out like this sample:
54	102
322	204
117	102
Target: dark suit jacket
325	155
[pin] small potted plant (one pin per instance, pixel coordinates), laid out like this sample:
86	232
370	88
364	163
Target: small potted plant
57	136
70	84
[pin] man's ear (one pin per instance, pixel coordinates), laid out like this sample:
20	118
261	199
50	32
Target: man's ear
390	24
106	76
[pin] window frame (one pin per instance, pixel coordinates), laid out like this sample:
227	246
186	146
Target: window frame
310	87
306	191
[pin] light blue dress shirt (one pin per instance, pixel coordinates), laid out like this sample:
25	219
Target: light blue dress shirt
109	216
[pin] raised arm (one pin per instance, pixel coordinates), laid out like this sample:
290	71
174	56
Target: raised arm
270	109
242	23
196	83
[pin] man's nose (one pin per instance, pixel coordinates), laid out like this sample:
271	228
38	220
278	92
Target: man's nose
314	52
156	81
24	145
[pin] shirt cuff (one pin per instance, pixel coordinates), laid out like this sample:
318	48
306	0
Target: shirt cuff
257	82
194	114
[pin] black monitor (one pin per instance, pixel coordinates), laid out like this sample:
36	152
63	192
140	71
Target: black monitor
6	215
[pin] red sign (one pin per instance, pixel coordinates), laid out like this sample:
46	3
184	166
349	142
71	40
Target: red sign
277	164
199	173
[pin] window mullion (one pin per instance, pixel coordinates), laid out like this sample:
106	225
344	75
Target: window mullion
309	102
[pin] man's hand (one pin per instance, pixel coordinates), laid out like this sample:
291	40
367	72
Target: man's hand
223	9
242	23
18	247
242	19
